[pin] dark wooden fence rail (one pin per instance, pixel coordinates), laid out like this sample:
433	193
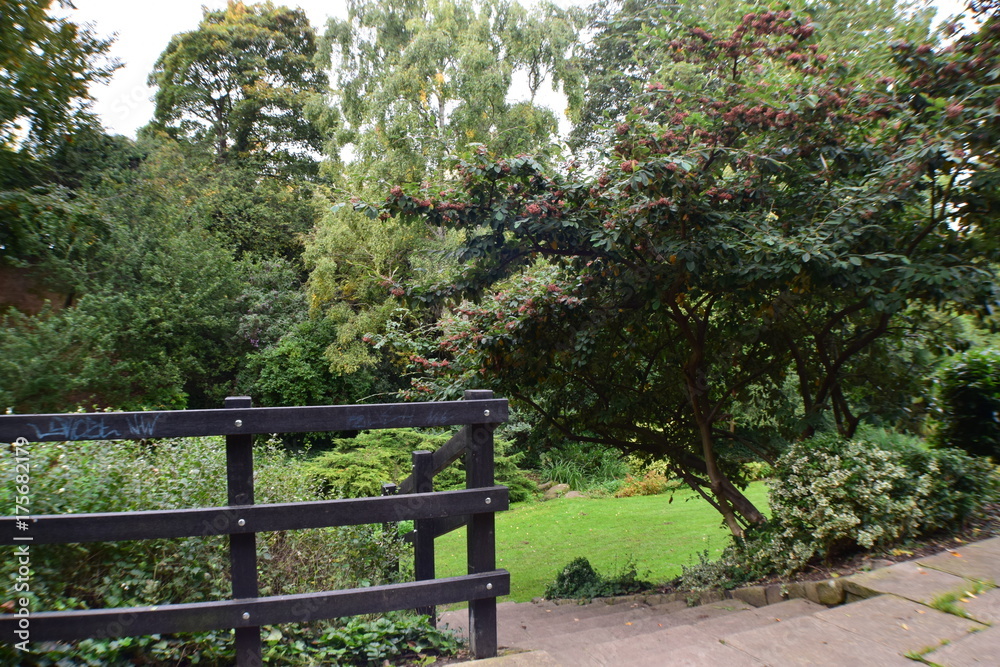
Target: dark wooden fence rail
433	514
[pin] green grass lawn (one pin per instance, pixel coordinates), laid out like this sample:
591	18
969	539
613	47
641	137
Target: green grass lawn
535	540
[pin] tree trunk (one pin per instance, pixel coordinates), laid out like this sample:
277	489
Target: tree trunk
716	481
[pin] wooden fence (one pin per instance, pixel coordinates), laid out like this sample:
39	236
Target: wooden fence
414	499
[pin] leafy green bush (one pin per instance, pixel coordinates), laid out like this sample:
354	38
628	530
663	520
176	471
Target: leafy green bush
364	642
970	403
86	477
154	328
579	580
831	495
357	467
959	485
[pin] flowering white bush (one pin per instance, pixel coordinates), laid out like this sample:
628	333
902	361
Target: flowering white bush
830	495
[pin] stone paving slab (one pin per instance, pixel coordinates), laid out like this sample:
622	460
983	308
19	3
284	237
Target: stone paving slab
980	648
532	633
530	659
565	632
902	625
809	641
698	655
678	646
519	624
984	607
776	613
972	562
992	544
906	580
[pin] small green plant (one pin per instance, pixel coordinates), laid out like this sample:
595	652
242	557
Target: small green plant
919	654
950	602
579	580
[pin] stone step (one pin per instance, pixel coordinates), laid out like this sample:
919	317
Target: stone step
524	625
694	644
908	580
458	618
806	640
629	628
979	561
979	648
511	616
526	659
568	621
899	624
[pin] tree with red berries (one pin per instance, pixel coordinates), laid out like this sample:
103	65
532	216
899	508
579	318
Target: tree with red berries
768	221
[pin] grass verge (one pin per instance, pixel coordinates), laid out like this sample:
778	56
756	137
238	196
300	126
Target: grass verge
535	540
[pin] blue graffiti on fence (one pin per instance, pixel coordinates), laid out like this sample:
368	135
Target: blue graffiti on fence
143	425
75	428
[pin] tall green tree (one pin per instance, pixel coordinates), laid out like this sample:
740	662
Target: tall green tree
741	233
418	79
243	83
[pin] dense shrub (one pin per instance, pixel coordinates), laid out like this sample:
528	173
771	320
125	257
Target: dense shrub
85	477
357	467
831	495
579	580
970	403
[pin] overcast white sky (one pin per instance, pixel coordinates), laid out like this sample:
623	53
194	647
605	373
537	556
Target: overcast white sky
144	28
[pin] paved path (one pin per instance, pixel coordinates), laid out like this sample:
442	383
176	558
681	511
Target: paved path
938	610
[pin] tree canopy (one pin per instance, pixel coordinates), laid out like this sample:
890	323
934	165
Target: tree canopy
416	80
631	45
47	66
242	82
743	233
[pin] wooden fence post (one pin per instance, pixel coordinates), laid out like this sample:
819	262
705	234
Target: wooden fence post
242	546
423	542
479	472
391	527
